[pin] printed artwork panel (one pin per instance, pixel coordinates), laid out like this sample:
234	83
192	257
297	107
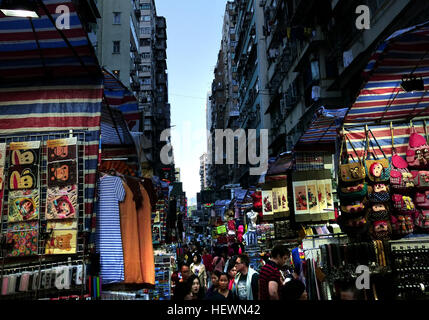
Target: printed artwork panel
23	177
275	201
280	199
23	237
329	196
267	202
62	203
24	153
321	196
62	174
300	197
62	242
1	178
2	155
23	205
313	204
62	149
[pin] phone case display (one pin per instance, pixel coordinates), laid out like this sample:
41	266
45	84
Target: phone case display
265	231
62	203
23	205
23	238
163	271
267	202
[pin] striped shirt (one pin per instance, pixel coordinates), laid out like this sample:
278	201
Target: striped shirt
109	240
269	272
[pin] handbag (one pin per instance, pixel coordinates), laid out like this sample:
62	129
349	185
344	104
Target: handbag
421	178
378	193
422	220
400	177
422	199
354	171
354	208
377	169
402	224
418	150
354	192
403	203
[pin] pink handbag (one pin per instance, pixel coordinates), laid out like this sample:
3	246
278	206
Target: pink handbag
400	177
422	199
418	151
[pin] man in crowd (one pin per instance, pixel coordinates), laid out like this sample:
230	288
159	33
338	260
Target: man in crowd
246	280
269	275
180	289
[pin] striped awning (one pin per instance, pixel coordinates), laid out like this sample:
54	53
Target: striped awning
35	48
404	53
323	128
120	97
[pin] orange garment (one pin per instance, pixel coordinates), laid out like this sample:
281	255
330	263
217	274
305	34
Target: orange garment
130	238
145	239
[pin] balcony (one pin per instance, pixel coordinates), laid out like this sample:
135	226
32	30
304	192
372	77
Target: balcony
161	55
138	13
161	45
135	86
160	23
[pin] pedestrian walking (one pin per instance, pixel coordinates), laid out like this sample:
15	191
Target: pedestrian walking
246	279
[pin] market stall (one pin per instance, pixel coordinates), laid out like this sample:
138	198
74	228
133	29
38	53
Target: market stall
51	98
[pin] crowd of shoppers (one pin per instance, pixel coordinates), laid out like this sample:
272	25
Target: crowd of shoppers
222	275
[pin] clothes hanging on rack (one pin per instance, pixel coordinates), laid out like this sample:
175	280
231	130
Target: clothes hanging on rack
108	232
130	238
145	239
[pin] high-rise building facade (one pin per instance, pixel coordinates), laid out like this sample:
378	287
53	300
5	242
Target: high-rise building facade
132	43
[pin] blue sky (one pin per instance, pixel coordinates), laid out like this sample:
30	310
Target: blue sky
194	32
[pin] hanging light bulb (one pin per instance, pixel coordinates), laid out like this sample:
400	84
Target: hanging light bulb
19	8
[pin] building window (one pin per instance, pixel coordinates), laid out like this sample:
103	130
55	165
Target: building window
116	46
146	55
117	73
145	18
145	6
145	30
144	42
116	18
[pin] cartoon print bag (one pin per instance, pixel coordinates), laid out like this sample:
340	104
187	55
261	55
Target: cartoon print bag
378	193
402	224
422	220
23	177
376	169
357	191
400	177
403	203
418	150
61	174
354	171
421	178
422	199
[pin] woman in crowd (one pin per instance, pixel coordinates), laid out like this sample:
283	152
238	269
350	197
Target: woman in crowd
199	270
215	284
194	289
232	271
222	293
219	261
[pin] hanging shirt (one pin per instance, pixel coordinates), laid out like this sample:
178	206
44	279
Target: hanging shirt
109	241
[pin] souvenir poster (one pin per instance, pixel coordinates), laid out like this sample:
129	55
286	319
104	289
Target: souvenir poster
23	237
267	202
21	177
281	196
62	225
276	207
321	196
23	205
61	242
62	149
2	155
24	153
329	196
300	197
62	203
61	174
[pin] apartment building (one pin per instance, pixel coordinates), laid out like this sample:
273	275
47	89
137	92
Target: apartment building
316	55
132	42
204	167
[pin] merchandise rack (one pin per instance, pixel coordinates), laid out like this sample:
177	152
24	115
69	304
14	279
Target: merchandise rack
40	260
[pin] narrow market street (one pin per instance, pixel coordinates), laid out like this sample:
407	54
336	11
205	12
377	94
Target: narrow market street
273	150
